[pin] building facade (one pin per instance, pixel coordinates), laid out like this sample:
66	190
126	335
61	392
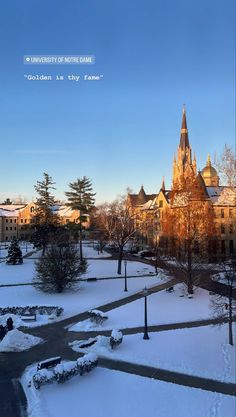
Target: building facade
199	186
16	219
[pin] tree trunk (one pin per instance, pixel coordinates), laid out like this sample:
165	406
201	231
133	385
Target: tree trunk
189	271
230	317
80	242
120	260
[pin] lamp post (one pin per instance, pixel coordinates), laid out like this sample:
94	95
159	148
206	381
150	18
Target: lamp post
145	333
125	263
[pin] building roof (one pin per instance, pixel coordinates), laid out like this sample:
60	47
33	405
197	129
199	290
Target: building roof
9	213
140	198
12	206
222	195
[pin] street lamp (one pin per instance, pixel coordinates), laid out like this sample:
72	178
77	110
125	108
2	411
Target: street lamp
145	333
125	263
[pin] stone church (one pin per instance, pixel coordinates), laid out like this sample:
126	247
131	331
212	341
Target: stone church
151	209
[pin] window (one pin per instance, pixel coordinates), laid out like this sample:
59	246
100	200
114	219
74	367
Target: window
15	221
231	247
161	203
67	220
31	209
21	220
231	228
6	228
25	220
14	228
222	213
223	246
222	228
10	220
10	228
6	220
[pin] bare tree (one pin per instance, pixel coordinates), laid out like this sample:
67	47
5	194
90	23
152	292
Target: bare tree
224	306
189	233
117	224
226	166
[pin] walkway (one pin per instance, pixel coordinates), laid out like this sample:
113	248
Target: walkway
57	337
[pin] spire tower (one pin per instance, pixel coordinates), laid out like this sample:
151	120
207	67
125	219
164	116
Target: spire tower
184	142
183	167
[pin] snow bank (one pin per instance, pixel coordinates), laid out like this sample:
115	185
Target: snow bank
112	393
16	341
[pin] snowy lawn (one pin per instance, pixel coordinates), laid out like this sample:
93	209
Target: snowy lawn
90	252
106	393
163	308
88	295
17	274
202	351
25	248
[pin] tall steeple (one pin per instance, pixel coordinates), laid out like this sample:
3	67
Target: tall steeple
163	187
184	142
183	167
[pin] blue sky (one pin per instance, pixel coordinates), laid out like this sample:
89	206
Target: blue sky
122	131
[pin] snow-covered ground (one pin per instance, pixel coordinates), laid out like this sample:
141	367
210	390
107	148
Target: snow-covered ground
17	341
106	393
201	351
163	308
223	279
87	295
90	252
25	248
24	273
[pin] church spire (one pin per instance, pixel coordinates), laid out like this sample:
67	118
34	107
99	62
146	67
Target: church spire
184	142
163	184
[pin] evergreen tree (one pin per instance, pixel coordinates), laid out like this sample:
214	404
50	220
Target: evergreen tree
81	198
14	256
45	220
60	267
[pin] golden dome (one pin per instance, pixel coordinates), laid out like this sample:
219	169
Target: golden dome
209	170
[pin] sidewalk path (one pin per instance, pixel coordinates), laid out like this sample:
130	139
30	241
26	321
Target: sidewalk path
56	337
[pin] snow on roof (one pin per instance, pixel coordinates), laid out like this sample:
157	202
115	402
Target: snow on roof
9	213
222	196
147	205
12	207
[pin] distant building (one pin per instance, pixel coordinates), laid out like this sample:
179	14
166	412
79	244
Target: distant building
15	219
151	208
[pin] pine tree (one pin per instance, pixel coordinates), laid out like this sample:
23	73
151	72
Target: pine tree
46	200
81	198
59	268
14	256
44	220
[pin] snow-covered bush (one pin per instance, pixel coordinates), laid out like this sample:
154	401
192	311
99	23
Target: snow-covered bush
64	371
87	363
116	338
42	377
42	310
97	316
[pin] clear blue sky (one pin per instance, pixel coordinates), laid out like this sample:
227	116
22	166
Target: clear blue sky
122	131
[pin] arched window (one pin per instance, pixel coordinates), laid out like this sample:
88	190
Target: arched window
31	209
